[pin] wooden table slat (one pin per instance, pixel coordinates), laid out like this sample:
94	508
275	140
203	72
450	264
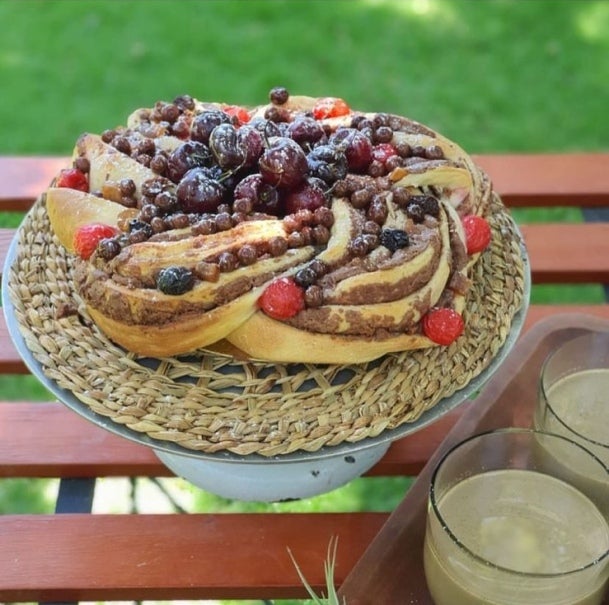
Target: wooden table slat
568	253
567	179
198	556
50	440
23	179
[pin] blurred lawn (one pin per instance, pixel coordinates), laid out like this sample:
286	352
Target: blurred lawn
498	75
495	75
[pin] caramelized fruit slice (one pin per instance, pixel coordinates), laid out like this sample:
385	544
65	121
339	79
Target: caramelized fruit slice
70	209
109	164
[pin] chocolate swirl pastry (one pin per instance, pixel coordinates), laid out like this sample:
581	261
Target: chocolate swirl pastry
296	231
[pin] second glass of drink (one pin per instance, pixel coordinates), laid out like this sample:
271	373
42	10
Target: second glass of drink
505	528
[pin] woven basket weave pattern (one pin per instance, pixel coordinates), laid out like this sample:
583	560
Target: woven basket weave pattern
211	402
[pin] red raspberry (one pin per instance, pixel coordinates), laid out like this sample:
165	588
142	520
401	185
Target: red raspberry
443	325
477	233
242	115
87	237
282	298
73	178
383	151
330	107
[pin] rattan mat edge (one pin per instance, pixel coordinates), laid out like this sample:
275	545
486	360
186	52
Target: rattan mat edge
213	403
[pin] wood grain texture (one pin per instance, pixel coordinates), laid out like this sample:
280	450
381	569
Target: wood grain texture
569	179
23	179
200	556
568	254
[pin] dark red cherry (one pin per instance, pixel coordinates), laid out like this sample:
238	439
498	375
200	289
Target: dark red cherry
308	196
356	146
283	163
197	192
262	196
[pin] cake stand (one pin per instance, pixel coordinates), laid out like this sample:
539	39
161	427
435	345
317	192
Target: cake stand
296	474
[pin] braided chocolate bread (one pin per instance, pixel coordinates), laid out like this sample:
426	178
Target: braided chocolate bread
297	231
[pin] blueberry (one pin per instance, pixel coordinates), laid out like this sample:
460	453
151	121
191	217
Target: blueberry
175	280
305	277
394	239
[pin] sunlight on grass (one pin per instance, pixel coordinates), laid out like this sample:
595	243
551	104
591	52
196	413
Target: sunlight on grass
424	9
24	496
379	494
593	21
120	495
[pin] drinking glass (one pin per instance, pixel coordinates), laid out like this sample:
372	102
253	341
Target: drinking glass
573	401
505	528
574	392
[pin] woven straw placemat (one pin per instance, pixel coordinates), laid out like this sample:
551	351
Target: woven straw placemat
214	403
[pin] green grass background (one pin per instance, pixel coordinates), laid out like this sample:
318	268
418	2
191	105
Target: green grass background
495	75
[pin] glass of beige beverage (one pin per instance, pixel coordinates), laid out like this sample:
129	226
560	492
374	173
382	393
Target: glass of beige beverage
573	401
503	528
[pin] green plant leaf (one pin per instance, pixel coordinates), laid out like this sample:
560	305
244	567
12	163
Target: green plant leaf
329	564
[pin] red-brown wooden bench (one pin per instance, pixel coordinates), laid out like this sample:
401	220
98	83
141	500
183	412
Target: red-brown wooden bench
77	556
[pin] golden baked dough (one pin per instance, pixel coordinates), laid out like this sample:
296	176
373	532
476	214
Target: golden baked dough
349	222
